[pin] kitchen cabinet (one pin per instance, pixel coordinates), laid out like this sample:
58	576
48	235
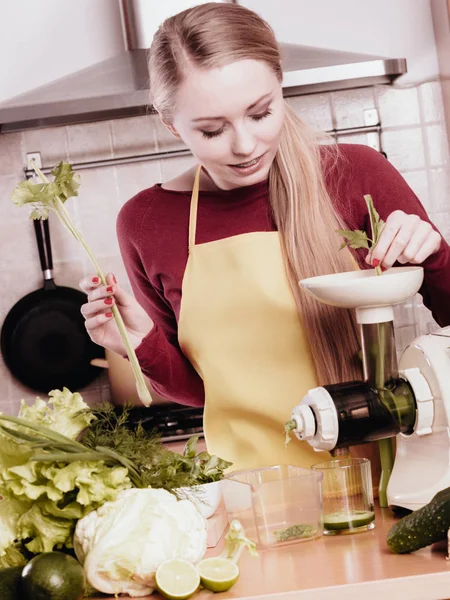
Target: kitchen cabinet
350	567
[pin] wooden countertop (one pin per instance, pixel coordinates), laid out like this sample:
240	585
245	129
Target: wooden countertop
349	566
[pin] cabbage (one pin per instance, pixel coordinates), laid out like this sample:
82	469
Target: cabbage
122	543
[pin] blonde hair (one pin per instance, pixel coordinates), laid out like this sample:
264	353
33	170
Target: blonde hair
212	35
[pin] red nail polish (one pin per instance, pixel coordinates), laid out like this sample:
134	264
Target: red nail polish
383	268
108	301
114	279
108	314
375	262
109	289
96	280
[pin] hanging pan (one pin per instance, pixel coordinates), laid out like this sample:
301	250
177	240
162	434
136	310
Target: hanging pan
43	340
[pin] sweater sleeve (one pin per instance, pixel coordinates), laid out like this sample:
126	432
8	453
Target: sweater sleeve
159	354
390	192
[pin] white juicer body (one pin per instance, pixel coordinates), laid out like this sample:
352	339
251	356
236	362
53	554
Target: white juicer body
422	459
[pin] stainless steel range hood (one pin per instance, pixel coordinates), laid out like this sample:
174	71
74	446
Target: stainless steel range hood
118	87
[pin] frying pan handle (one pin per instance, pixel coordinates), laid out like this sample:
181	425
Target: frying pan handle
42	230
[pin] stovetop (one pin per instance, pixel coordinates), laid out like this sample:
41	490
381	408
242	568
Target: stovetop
173	421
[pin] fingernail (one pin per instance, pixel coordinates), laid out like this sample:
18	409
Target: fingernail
108	301
384	268
114	279
108	314
109	289
96	280
375	262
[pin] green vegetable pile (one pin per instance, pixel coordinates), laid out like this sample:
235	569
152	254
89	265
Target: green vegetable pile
60	460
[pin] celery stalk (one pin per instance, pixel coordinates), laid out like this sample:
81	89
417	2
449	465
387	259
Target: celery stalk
65	218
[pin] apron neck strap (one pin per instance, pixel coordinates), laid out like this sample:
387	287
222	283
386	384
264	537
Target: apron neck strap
193	209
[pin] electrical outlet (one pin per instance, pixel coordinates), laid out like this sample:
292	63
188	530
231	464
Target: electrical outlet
34	157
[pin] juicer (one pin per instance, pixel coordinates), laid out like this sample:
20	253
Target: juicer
408	401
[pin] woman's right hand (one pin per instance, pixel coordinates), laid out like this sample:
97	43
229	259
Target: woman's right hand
100	324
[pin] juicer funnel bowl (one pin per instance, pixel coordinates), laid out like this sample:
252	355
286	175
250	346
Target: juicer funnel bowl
370	294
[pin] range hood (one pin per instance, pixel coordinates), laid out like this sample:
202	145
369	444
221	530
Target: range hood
118	87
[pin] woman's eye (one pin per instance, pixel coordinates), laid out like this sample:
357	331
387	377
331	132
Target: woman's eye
263	115
212	134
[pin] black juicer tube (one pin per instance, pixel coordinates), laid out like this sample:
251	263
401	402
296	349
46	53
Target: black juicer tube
366	414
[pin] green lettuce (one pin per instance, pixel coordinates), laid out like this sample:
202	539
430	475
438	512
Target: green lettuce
42	500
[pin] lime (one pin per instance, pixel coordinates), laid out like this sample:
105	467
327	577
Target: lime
348	520
217	574
177	579
53	576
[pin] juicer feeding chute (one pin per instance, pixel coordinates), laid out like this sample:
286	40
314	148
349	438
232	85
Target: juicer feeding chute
392	401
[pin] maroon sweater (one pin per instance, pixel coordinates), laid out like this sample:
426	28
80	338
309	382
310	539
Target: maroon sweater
153	236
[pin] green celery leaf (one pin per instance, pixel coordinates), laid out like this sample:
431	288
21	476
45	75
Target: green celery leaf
375	222
354	239
66	182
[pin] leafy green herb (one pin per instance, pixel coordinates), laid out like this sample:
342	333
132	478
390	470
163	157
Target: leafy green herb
45	196
295	531
288	427
158	467
359	239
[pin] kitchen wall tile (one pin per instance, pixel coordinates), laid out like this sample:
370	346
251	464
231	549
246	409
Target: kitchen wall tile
442	221
165	141
133	178
51	143
17	283
397	106
440	185
11	162
431	102
64	246
8	210
314	110
109	264
171	167
418	182
404	314
89	141
348	107
404	148
18	244
356	138
134	136
98	191
404	336
68	273
437	144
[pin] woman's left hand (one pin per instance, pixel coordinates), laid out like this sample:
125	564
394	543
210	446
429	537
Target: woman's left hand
404	239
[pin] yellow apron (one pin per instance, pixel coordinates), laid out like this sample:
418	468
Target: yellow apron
240	328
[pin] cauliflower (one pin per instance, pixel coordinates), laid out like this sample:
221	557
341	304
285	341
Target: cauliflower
122	543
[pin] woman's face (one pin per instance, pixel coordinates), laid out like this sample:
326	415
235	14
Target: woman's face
231	119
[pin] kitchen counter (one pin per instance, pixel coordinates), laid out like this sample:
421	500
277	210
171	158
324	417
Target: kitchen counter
348	566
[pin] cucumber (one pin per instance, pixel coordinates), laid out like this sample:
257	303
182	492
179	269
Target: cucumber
10	579
422	527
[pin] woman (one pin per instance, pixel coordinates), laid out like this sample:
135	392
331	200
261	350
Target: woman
219	317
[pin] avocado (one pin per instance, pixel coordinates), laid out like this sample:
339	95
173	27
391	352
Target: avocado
422	527
10	579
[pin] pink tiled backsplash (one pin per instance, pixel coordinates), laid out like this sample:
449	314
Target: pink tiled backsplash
413	137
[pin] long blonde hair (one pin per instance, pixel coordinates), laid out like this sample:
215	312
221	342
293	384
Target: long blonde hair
213	35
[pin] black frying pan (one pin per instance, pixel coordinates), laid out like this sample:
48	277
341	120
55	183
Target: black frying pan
43	340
